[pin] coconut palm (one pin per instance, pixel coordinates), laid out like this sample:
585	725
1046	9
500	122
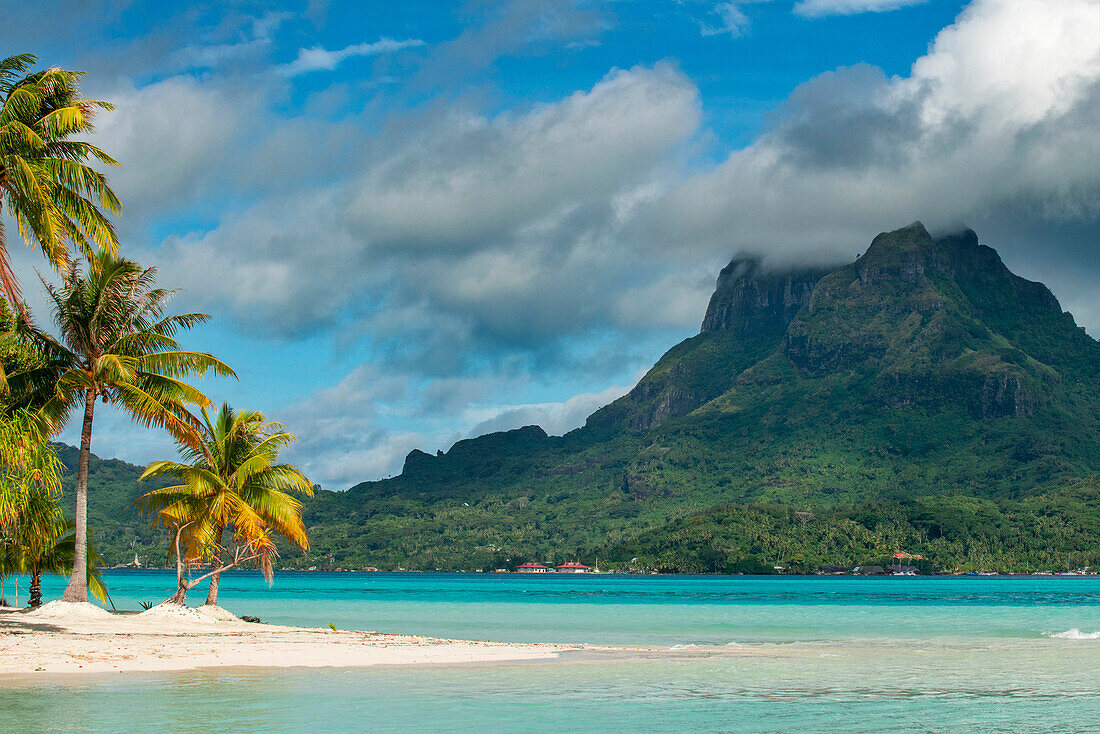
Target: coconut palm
30	466
43	542
56	200
34	536
252	541
30	538
231	481
116	344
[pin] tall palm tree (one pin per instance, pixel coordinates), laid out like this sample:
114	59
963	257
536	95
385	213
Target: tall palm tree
231	481
50	192
116	344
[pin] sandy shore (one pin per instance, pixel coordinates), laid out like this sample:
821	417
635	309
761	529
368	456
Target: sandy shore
85	639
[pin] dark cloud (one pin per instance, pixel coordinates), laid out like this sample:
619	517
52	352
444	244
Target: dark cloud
499	230
847	119
997	117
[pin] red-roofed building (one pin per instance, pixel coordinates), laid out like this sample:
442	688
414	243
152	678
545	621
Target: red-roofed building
532	568
572	567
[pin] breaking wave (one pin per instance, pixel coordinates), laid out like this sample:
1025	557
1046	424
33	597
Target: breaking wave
1075	634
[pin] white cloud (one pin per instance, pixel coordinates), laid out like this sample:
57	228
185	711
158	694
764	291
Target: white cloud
257	39
821	8
339	438
281	266
505	223
319	59
171	138
341	441
468	179
556	418
732	21
1000	112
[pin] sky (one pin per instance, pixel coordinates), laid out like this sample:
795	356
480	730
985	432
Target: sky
422	221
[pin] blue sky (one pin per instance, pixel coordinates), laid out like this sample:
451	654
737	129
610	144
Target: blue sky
416	222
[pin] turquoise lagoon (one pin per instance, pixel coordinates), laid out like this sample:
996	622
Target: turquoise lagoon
711	653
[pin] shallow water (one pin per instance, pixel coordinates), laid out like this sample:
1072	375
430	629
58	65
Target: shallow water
774	655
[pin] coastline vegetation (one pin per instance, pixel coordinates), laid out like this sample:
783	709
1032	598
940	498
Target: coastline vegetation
114	341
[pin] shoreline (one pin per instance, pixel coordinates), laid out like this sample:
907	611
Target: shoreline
82	639
643	574
106	642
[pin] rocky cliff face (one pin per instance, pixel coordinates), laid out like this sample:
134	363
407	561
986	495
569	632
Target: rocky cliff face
747	316
933	321
751	300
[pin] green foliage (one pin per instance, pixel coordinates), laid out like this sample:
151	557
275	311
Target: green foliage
1054	531
231	481
56	200
30	478
35	538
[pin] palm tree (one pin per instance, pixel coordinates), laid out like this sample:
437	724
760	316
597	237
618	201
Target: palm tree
49	190
231	481
44	542
34	536
116	344
29	465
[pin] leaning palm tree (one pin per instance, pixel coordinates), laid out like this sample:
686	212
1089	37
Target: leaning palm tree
56	200
118	345
230	481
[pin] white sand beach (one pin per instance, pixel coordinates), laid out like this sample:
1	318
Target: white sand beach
83	638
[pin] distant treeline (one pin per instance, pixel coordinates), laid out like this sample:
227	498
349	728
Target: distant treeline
1054	532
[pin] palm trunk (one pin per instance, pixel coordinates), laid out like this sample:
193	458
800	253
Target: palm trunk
216	562
77	590
36	589
182	586
180	597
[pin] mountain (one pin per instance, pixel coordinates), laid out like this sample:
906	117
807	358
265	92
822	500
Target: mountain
923	375
922	397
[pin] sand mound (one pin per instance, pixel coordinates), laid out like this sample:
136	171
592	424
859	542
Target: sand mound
176	612
68	611
217	613
180	613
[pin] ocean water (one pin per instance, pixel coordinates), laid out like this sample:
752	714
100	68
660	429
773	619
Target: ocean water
737	654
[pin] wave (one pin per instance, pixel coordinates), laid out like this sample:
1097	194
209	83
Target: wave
1075	634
